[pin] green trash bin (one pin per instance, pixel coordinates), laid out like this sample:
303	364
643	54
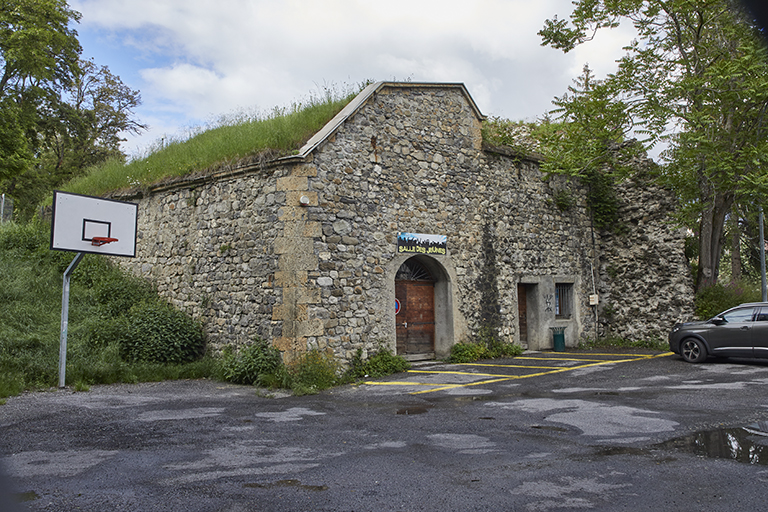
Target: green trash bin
558	336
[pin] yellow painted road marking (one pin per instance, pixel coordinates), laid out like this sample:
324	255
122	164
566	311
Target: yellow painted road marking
506	365
501	378
441	372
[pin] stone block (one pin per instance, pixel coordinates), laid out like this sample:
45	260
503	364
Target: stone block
291	213
289	245
293	198
308	296
313	327
292	183
292	278
304	170
298	261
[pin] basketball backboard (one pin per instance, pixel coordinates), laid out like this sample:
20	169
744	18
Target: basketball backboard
93	225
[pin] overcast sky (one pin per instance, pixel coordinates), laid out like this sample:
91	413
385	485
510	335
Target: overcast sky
195	60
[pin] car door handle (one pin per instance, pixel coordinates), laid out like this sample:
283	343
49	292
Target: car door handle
745	327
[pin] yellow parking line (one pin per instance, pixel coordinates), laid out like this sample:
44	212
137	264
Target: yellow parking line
559	359
515	377
514	365
501	378
399	383
438	372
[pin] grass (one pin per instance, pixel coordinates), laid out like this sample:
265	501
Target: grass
30	317
281	132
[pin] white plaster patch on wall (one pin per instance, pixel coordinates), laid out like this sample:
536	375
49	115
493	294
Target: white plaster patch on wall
64	464
593	418
181	414
292	414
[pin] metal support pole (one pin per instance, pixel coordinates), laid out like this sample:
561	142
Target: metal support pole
762	258
65	318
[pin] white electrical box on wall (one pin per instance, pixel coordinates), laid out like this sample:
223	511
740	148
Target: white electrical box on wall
593	300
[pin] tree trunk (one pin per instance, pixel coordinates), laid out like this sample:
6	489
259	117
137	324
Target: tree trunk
711	240
735	246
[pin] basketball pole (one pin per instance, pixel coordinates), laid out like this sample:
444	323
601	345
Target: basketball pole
65	318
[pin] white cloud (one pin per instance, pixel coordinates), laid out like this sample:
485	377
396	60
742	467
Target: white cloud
196	58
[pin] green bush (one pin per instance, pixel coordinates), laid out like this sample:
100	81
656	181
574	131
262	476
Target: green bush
158	333
258	363
382	363
717	298
467	353
108	309
487	346
314	372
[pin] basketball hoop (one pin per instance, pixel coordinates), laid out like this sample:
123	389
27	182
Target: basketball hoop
101	240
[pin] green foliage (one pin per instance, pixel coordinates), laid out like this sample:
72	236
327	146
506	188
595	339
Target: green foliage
38	56
518	135
231	139
486	346
257	363
313	372
467	353
381	364
578	144
699	67
80	129
612	343
110	314
564	200
717	298
158	333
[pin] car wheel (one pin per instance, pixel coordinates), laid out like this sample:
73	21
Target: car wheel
693	350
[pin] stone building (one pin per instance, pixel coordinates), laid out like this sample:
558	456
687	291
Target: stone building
394	225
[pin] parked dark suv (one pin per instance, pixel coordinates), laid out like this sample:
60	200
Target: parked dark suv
739	332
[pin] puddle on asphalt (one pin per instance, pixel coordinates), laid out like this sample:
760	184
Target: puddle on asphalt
288	483
746	444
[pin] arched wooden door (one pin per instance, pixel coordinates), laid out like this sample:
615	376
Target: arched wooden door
415	318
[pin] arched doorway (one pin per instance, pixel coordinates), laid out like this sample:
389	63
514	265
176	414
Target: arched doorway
415	317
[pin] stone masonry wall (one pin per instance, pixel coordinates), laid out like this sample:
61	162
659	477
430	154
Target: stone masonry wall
303	252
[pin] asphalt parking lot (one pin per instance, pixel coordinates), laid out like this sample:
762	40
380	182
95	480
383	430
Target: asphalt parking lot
434	377
542	432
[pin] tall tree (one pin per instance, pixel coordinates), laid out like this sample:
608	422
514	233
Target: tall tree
60	114
699	67
38	56
81	127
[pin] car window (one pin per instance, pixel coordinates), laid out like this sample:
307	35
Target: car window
739	315
762	316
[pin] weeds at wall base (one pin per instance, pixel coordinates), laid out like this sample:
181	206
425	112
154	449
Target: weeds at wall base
621	343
